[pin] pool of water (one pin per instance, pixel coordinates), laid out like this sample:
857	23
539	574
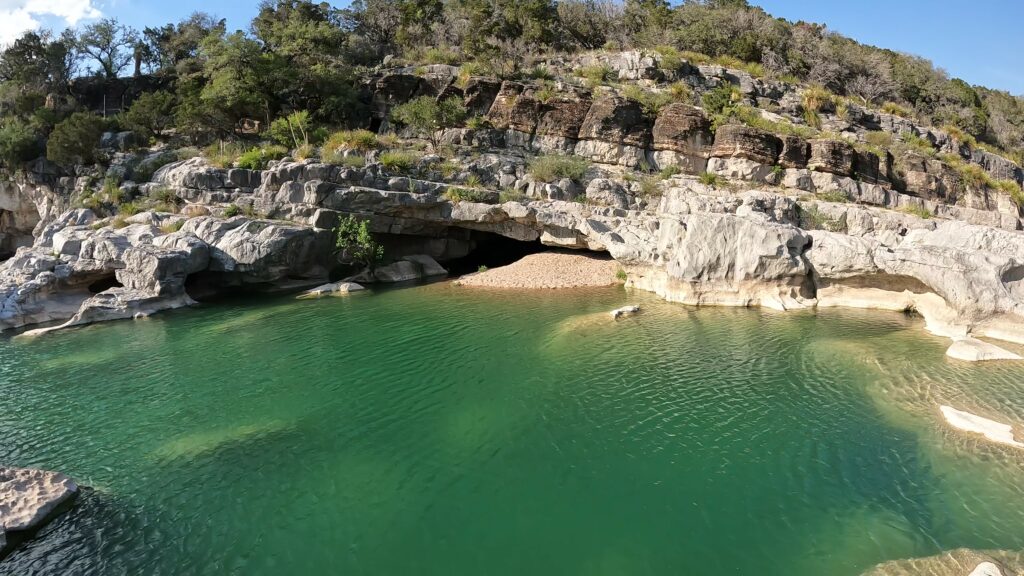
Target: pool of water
443	430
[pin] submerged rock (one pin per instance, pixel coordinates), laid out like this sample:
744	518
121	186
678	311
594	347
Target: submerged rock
959	562
28	500
974	350
625	311
990	429
333	289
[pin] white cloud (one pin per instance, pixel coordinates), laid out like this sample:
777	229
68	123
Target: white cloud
18	16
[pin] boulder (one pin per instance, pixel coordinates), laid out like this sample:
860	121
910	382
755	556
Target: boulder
682	128
617	121
480	93
607	192
625	311
974	350
832	156
796	152
503	108
562	116
737	141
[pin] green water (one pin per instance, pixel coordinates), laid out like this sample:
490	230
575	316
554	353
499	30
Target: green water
440	430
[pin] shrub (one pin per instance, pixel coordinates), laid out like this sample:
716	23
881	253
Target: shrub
650	186
399	160
172	227
145	170
76	139
680	92
621	275
119	222
257	158
151	113
671	58
478	123
129	209
918	144
897	110
710	179
551	168
305	152
481	269
292	130
466	195
812	218
721	100
355	243
511	195
960	136
358	140
223	154
836	196
669	171
427	116
595	75
882	140
651	102
19	142
232	211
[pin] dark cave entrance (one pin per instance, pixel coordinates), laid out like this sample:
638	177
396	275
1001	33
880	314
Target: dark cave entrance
493	251
104	284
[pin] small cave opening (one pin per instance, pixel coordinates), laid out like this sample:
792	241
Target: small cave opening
104	284
490	250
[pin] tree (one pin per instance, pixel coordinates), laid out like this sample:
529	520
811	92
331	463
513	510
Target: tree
175	49
356	244
151	113
75	140
19	143
110	45
427	116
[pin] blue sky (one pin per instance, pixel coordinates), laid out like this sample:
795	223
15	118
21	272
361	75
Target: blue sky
979	41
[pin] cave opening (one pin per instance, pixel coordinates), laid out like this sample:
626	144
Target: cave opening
104	284
487	249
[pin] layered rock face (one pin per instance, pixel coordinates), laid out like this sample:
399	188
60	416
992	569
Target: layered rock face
696	245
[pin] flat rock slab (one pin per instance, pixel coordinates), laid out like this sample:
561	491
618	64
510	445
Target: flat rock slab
990	429
974	350
28	497
625	311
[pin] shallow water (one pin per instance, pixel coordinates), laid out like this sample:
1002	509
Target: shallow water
443	430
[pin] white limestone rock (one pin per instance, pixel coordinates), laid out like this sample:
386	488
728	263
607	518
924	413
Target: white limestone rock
974	350
625	311
990	429
332	289
28	497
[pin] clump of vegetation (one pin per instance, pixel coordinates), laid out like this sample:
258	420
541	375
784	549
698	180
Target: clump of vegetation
837	196
355	244
358	140
232	210
651	101
812	218
293	130
257	158
669	171
596	75
481	269
511	195
427	116
458	194
897	110
916	210
752	117
710	179
552	168
399	160
172	227
621	275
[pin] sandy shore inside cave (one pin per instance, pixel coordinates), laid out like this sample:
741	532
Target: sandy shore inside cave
548	270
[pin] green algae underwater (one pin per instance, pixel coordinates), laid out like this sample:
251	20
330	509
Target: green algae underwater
445	430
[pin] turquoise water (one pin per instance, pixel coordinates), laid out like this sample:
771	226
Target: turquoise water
442	430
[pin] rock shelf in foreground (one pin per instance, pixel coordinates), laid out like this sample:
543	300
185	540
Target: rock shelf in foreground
28	500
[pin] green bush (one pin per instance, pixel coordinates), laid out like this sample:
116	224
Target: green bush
552	168
467	195
427	116
710	179
358	140
293	130
596	75
232	211
837	196
19	142
399	160
511	195
76	139
151	113
919	211
257	158
721	100
356	244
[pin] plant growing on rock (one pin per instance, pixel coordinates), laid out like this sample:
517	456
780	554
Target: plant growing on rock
355	244
710	179
257	158
551	168
292	130
399	160
151	113
428	117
